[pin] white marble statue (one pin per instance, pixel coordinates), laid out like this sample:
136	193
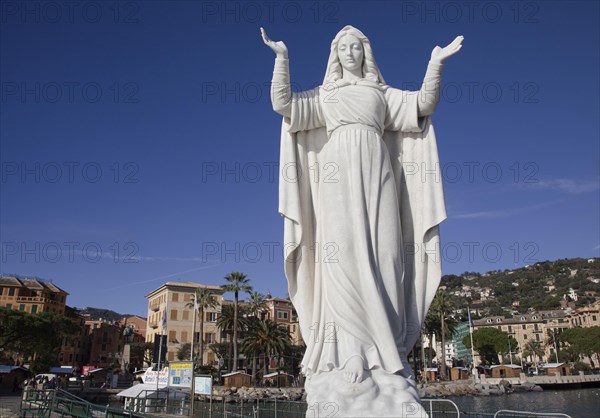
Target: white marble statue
361	220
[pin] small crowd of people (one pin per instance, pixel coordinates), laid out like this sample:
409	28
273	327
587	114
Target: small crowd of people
44	383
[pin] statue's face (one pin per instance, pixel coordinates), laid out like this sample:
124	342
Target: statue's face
350	52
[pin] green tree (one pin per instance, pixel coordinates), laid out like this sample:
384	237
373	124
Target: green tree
184	351
267	338
38	336
442	305
583	342
489	342
202	299
140	353
236	282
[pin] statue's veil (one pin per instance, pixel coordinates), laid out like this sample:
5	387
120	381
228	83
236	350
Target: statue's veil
370	69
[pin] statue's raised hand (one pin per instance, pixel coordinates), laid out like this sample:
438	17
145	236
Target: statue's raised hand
278	48
441	54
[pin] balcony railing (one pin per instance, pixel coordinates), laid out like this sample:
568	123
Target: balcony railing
32	299
154	306
153	324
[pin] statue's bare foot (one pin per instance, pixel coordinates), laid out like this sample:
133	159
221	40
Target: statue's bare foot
354	370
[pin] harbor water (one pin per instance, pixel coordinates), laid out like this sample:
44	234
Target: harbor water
577	403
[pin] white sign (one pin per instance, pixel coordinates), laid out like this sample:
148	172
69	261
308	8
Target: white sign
203	385
150	377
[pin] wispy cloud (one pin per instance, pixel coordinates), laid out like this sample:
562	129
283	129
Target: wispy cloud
597	247
502	213
167	276
568	186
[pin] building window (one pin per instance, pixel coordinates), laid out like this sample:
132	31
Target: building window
22	307
184	337
103	348
208	337
211	316
33	308
173	336
185	315
9	305
537	337
524	336
11	291
175	297
173	314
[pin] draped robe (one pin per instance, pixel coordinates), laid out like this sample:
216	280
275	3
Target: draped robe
361	222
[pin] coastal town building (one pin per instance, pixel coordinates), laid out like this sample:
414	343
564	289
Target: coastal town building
170	315
74	349
283	312
31	295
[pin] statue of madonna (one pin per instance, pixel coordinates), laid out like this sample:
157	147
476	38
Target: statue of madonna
361	224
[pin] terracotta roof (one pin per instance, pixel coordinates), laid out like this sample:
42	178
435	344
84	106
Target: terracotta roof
30	283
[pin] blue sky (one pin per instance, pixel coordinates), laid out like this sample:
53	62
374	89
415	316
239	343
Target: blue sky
138	144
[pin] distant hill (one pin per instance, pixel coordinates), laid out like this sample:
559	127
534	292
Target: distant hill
101	313
540	286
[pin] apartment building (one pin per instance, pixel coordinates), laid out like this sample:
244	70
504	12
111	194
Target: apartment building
31	295
531	326
168	314
74	349
283	312
586	317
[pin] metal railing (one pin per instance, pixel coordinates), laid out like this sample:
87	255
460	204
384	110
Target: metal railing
529	414
440	408
48	403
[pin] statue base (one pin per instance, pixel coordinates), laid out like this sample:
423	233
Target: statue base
379	394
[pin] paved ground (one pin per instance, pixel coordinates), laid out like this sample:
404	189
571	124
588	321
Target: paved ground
9	405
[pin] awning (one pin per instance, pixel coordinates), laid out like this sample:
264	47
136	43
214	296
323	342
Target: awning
276	374
234	373
148	390
7	369
62	370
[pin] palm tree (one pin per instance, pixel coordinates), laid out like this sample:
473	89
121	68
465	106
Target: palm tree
533	349
266	337
256	305
204	299
430	328
443	305
236	282
554	340
225	324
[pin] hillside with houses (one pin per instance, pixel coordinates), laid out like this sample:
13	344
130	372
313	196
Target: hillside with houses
545	285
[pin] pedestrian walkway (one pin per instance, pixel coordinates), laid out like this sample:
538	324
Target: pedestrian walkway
9	405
